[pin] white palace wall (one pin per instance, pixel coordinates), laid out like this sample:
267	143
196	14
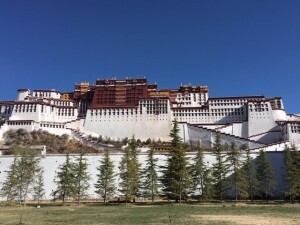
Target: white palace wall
141	125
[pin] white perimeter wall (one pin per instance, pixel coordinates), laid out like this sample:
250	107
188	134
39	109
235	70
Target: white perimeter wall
51	163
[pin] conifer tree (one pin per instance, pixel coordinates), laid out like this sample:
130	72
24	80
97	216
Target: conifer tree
81	178
125	177
176	178
150	175
134	169
264	174
238	180
250	174
201	176
27	167
39	189
9	187
65	181
219	169
292	172
105	185
296	162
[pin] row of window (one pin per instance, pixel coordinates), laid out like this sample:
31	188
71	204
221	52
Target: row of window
45	94
16	123
228	110
63	103
47	125
295	128
6	109
259	110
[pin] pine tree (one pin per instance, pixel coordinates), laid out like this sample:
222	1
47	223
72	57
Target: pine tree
250	174
105	185
125	177
39	188
65	181
238	180
296	163
27	167
176	175
9	186
201	176
264	174
81	178
219	169
151	179
292	172
134	169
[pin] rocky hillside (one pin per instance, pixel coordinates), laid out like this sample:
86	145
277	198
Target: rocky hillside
55	144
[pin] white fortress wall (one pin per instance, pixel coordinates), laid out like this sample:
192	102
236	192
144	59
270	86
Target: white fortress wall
227	129
51	163
21	124
26	111
195	134
6	110
260	119
22	94
75	124
268	137
279	114
240	129
3	129
142	125
272	147
293	132
206	137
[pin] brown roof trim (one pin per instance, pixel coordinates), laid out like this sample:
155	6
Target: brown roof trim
114	107
153	97
20	121
237	97
40	90
25	89
202	107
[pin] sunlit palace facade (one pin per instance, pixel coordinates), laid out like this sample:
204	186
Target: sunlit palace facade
123	108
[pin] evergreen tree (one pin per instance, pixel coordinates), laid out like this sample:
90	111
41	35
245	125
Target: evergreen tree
219	169
81	178
9	187
65	181
264	174
38	189
250	174
134	169
26	168
125	176
296	162
105	185
292	172
238	179
176	177
201	176
151	179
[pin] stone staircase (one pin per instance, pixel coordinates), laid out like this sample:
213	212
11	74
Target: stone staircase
77	135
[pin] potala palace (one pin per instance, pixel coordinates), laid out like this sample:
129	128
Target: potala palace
122	108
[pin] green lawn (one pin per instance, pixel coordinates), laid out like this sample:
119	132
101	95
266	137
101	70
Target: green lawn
153	214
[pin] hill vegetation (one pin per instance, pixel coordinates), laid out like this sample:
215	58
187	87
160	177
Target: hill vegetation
56	144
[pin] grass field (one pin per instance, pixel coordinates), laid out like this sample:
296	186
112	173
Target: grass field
93	214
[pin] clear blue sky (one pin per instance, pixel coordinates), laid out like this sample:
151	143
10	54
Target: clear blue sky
237	48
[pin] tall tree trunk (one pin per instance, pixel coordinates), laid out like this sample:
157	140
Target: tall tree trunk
152	191
236	187
180	192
